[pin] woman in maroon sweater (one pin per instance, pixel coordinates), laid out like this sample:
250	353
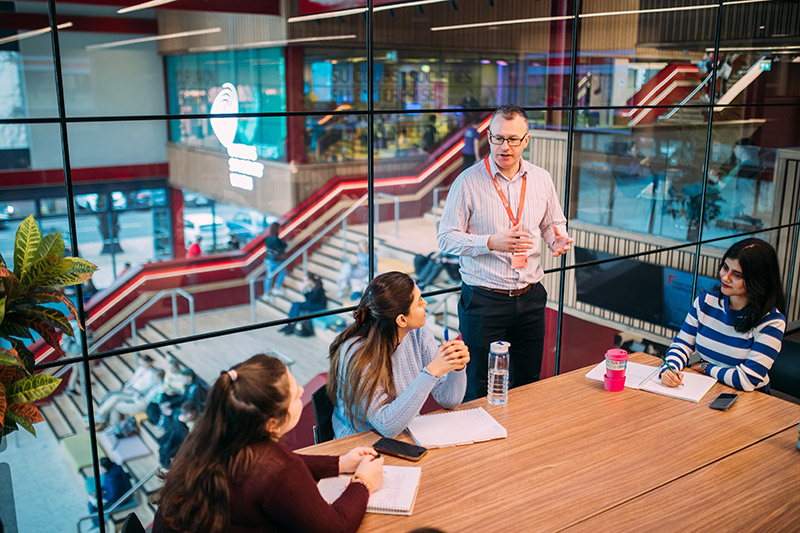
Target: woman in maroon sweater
231	474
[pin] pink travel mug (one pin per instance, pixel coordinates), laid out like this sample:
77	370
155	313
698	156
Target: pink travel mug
614	378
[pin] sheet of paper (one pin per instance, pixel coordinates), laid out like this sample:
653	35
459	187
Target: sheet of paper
636	374
694	387
396	496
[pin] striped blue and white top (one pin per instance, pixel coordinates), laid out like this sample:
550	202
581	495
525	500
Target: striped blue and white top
473	212
740	360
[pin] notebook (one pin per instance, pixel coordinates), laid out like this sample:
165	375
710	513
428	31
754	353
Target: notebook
454	428
397	495
644	377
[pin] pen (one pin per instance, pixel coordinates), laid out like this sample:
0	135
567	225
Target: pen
446	335
668	366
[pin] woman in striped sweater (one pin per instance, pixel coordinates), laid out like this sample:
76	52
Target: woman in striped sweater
737	330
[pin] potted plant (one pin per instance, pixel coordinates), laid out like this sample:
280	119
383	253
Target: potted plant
38	271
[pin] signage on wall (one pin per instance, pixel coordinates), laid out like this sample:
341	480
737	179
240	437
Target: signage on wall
242	158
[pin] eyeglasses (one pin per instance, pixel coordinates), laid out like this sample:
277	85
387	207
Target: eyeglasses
512	141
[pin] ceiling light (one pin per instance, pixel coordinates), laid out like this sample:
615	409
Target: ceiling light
500	23
267	44
32	33
329	15
126	42
145	5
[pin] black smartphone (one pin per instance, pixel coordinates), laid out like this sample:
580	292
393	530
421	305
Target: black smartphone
401	449
723	401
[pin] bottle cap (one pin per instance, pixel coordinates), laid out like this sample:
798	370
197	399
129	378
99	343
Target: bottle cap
499	347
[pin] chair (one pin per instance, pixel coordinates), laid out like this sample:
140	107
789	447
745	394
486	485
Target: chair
323	411
132	525
784	376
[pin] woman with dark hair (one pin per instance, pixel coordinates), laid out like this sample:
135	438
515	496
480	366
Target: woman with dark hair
383	366
737	330
231	474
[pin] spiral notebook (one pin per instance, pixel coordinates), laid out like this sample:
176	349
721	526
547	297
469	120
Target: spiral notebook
397	495
645	377
454	428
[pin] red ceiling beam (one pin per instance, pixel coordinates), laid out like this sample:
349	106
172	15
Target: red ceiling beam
35	21
256	7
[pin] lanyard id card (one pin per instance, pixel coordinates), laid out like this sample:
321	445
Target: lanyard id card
517	260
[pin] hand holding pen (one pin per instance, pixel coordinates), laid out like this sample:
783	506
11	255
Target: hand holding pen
450	355
671	377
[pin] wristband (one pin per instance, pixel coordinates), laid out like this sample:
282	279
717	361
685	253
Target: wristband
356	478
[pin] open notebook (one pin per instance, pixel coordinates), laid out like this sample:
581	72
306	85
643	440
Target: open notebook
396	496
453	428
644	377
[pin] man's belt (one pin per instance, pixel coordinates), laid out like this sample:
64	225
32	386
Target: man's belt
510	292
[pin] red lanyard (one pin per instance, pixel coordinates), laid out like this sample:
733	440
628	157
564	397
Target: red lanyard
514	221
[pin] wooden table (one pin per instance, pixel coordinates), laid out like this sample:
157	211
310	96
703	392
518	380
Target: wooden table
580	457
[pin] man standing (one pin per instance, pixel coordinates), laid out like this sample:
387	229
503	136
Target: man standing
471	146
195	250
489	220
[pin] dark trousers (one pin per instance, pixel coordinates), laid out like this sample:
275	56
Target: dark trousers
467	161
485	317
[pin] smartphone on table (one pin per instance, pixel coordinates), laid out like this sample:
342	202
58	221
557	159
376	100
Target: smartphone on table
723	401
403	450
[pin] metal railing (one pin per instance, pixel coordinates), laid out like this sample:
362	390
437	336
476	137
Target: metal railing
152	301
132	320
122	499
689	97
303	251
442	304
396	212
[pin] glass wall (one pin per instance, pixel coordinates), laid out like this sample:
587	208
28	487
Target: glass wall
224	169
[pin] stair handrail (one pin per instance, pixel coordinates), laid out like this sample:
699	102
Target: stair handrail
396	200
341	219
152	301
691	95
122	499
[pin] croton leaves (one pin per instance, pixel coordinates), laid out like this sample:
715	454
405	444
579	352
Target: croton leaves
53	317
52	244
45	270
8	328
80	272
46	294
7	375
25	355
2	308
10	357
31	388
7	280
46	331
8	427
23	420
25	245
3	403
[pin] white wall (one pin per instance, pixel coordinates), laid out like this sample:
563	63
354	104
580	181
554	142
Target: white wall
119	81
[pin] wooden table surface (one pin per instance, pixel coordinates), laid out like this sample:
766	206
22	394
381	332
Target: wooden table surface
576	453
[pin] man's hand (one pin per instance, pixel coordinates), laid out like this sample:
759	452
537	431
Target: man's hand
512	240
561	244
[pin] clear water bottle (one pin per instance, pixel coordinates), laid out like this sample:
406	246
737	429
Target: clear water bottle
497	393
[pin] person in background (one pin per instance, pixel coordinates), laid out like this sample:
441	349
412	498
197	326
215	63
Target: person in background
114	483
738	330
354	275
137	387
88	290
492	220
471	146
429	134
193	251
385	364
176	426
232	474
123	408
315	300
276	253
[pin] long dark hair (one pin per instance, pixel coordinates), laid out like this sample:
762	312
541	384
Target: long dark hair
370	366
762	280
195	495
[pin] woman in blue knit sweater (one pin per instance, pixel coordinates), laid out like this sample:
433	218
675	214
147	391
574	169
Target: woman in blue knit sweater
737	330
384	366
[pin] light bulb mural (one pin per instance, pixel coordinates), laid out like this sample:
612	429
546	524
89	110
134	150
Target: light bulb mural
242	158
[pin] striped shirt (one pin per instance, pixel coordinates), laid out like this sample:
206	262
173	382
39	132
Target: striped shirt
473	212
740	360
